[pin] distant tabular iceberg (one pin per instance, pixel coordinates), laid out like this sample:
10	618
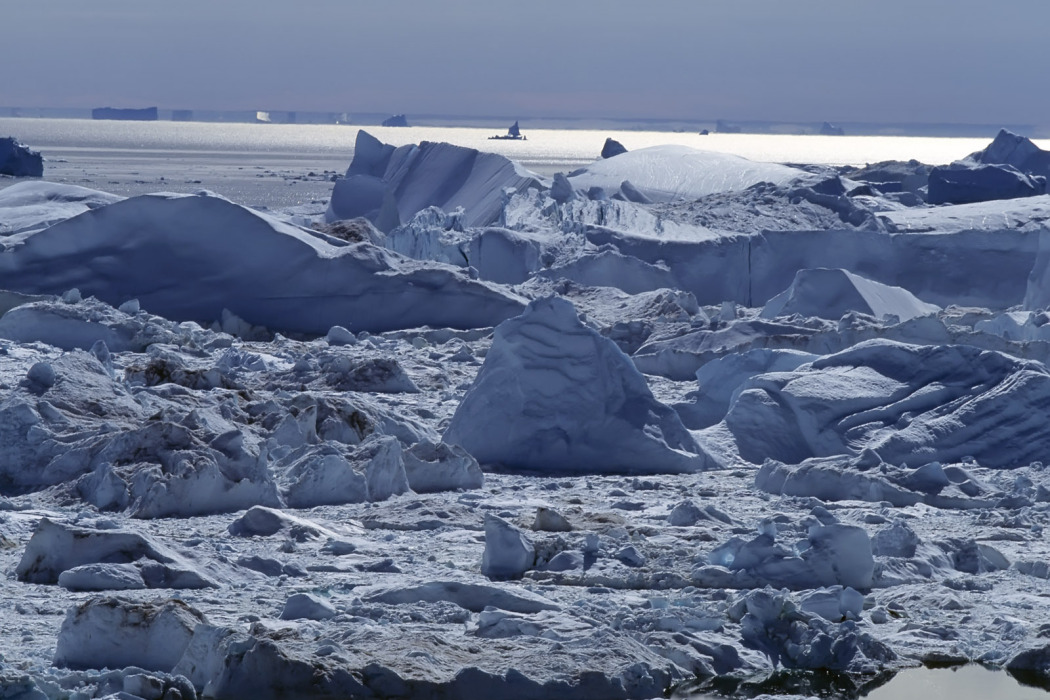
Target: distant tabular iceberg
146	114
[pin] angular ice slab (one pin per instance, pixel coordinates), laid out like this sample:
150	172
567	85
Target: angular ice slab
554	395
389	185
827	293
191	257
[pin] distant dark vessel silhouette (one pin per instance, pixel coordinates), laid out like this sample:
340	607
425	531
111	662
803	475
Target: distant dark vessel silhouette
148	114
513	134
396	120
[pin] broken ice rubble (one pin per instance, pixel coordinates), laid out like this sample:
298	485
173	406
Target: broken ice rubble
675	417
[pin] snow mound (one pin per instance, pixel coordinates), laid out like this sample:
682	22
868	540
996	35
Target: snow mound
267	272
554	395
116	633
389	185
18	160
35	205
829	294
665	173
910	404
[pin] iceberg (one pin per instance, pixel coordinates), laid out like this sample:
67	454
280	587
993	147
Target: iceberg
388	185
665	173
832	293
554	396
190	257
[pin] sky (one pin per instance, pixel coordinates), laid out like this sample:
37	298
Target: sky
880	61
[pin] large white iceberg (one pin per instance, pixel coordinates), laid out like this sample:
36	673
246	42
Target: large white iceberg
389	185
554	395
664	173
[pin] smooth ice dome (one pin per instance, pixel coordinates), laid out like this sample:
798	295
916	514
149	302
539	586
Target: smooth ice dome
664	173
192	257
829	294
554	395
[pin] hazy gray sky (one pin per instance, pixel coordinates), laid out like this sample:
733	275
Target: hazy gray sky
956	61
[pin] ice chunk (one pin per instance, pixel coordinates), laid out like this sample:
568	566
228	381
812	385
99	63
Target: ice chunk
554	395
1011	149
961	183
18	160
56	547
612	148
471	596
116	633
831	293
102	577
508	552
303	606
432	467
911	404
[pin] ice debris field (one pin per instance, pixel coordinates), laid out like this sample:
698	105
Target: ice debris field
676	421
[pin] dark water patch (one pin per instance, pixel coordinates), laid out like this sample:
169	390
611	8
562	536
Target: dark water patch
939	682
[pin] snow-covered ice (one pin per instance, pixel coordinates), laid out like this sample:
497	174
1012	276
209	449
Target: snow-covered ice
675	420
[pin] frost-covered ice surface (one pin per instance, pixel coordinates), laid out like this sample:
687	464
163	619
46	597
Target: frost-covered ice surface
676	420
